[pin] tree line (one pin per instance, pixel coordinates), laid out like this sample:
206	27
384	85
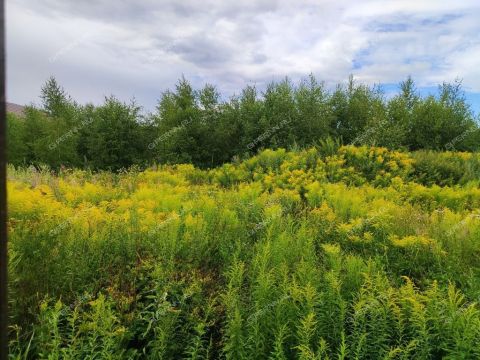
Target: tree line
197	126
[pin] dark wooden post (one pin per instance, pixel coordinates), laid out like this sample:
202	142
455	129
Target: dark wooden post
3	195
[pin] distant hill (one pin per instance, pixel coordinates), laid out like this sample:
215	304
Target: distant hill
15	108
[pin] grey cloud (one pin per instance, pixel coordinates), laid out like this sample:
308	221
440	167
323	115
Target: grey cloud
259	58
147	10
104	10
203	52
140	48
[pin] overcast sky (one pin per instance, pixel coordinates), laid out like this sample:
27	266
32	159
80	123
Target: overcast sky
140	48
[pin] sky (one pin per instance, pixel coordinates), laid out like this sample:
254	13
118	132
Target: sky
138	49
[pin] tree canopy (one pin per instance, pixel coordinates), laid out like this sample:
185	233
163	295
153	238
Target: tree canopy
197	126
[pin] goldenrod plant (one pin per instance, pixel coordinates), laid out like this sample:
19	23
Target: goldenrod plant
331	252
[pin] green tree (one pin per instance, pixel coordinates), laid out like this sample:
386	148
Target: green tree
359	113
56	102
280	116
442	121
16	147
113	140
177	112
250	111
34	136
314	114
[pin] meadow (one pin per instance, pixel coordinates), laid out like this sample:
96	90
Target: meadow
332	252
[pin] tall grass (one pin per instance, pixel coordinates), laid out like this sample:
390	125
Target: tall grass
329	253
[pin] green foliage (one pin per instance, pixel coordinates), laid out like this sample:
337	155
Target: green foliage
81	331
445	168
16	147
113	137
56	101
332	252
329	251
199	127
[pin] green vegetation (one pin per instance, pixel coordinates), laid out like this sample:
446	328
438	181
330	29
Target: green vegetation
331	252
196	126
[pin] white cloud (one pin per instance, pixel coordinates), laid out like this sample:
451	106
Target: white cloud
141	48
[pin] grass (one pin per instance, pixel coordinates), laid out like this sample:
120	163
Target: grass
342	254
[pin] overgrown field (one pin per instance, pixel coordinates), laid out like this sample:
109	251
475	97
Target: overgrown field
326	253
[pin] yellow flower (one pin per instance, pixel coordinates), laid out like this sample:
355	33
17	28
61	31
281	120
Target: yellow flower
331	249
325	212
367	236
412	240
345	228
